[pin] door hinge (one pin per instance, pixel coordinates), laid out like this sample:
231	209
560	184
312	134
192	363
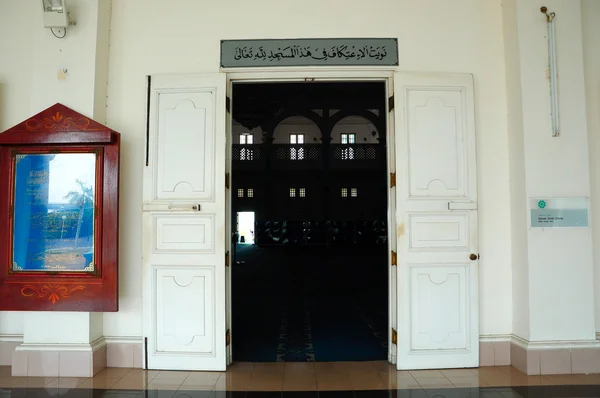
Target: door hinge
149	96
391	103
394	336
394	258
227	259
227	180
392	180
227	337
228	104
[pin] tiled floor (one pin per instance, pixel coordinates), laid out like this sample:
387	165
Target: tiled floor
328	379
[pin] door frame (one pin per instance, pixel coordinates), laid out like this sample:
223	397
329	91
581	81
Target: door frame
313	75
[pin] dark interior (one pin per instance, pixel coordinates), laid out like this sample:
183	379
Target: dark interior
313	286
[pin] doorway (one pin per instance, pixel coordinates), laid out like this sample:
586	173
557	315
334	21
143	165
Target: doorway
309	163
432	217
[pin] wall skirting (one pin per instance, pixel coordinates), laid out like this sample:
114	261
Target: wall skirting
534	358
494	350
555	357
124	352
59	360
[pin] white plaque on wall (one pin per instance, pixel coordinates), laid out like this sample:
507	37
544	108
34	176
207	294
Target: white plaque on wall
559	212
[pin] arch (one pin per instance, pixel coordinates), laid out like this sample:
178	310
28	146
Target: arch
311	129
377	121
366	132
308	114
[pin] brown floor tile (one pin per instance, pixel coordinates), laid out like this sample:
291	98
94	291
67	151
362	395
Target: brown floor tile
266	382
435	383
304	382
5	371
6	382
38	382
281	376
269	368
329	367
457	373
130	384
162	393
67	382
399	380
299	367
173	376
368	381
507	380
142	374
243	367
164	384
208	377
233	382
102	383
507	369
357	366
426	374
486	369
571	380
112	373
464	382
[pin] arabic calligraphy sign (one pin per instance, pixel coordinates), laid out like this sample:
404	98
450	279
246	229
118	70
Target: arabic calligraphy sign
309	52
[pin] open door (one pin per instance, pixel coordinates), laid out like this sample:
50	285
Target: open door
183	263
436	199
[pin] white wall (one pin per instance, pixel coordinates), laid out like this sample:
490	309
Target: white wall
561	296
152	36
518	204
590	10
30	58
155	36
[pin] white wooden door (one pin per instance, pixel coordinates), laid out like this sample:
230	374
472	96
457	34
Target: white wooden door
437	221
183	261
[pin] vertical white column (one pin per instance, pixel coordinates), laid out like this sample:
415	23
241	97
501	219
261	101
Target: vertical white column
67	344
553	289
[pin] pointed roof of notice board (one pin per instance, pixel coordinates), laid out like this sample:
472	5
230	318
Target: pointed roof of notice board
57	125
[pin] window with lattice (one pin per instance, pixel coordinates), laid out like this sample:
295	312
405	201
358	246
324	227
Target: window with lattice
246	153
348	139
297	153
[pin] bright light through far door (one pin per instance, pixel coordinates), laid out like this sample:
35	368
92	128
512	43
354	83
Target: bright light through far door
246	227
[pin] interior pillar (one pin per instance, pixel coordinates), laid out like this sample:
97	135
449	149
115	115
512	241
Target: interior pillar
74	72
553	291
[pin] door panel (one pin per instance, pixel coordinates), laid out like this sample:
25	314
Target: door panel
437	219
183	238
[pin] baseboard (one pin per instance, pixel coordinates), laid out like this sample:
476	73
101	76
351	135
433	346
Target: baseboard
11	338
546	357
494	338
494	350
124	352
555	357
124	339
91	347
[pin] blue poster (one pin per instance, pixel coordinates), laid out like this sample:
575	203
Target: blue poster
54	212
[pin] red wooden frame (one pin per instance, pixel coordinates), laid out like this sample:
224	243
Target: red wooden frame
59	129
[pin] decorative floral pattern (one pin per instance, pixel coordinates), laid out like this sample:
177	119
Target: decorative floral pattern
59	123
53	292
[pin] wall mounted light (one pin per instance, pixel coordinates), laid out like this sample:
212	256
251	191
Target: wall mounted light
56	16
552	71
